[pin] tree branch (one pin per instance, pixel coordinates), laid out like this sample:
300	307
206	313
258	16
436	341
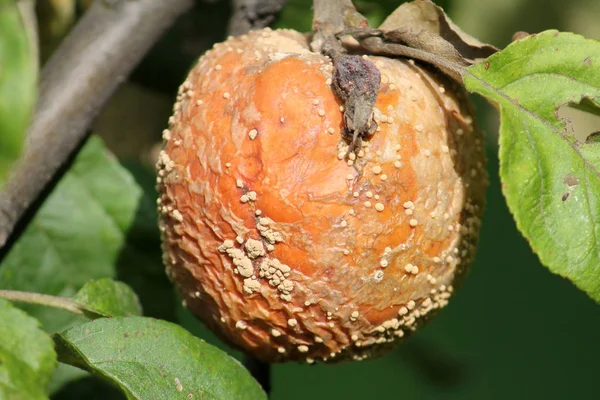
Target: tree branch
93	60
452	68
252	14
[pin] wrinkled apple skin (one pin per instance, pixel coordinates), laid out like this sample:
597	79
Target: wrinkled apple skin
286	245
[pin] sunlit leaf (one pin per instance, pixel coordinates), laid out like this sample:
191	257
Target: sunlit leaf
550	179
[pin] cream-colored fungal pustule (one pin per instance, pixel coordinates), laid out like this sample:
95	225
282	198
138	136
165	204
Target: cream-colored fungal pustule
287	241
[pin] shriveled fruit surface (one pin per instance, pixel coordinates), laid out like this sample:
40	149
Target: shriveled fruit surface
290	247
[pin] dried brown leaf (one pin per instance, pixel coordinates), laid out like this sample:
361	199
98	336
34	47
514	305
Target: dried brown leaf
427	24
425	40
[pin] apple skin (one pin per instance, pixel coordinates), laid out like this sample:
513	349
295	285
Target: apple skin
283	243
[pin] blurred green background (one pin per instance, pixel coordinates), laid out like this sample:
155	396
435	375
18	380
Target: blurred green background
513	330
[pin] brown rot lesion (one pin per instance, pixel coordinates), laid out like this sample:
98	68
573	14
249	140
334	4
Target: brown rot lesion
356	82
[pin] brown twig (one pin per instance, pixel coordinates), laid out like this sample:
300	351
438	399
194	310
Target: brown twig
376	45
76	82
332	17
43	300
252	14
355	80
63	303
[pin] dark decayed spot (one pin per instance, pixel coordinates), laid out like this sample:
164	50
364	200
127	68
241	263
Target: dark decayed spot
356	82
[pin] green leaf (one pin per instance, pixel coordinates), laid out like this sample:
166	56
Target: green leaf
140	262
18	80
153	359
109	298
27	356
550	180
77	235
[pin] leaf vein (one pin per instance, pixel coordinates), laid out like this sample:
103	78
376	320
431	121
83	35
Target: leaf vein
542	120
554	74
